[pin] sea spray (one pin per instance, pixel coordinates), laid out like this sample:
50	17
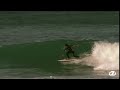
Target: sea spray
105	56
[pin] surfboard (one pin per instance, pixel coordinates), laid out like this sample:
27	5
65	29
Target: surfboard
66	60
70	59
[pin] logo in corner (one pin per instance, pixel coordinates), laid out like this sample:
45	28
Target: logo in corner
112	73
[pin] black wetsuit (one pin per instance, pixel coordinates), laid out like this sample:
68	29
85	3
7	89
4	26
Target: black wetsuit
69	50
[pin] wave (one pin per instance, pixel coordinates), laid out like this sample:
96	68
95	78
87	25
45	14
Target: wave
104	56
101	55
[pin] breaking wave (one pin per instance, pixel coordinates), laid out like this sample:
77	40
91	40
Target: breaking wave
104	56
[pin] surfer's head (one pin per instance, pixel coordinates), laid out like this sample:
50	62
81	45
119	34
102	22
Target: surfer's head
66	45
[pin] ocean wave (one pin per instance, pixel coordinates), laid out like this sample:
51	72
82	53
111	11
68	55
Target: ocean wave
103	56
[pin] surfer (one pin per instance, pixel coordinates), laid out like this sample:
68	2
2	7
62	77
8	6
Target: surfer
68	49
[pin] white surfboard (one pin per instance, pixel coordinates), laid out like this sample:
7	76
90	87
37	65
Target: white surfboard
66	60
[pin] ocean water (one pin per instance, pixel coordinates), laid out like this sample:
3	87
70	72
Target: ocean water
31	43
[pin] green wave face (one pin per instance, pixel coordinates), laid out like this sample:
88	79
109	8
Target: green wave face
40	55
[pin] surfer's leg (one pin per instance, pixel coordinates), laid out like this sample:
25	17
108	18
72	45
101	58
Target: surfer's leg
67	55
74	54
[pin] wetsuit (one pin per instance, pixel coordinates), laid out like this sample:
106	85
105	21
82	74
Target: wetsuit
69	50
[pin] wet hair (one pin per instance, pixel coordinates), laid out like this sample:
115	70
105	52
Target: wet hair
66	45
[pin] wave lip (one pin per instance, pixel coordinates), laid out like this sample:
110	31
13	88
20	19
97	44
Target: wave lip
104	56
